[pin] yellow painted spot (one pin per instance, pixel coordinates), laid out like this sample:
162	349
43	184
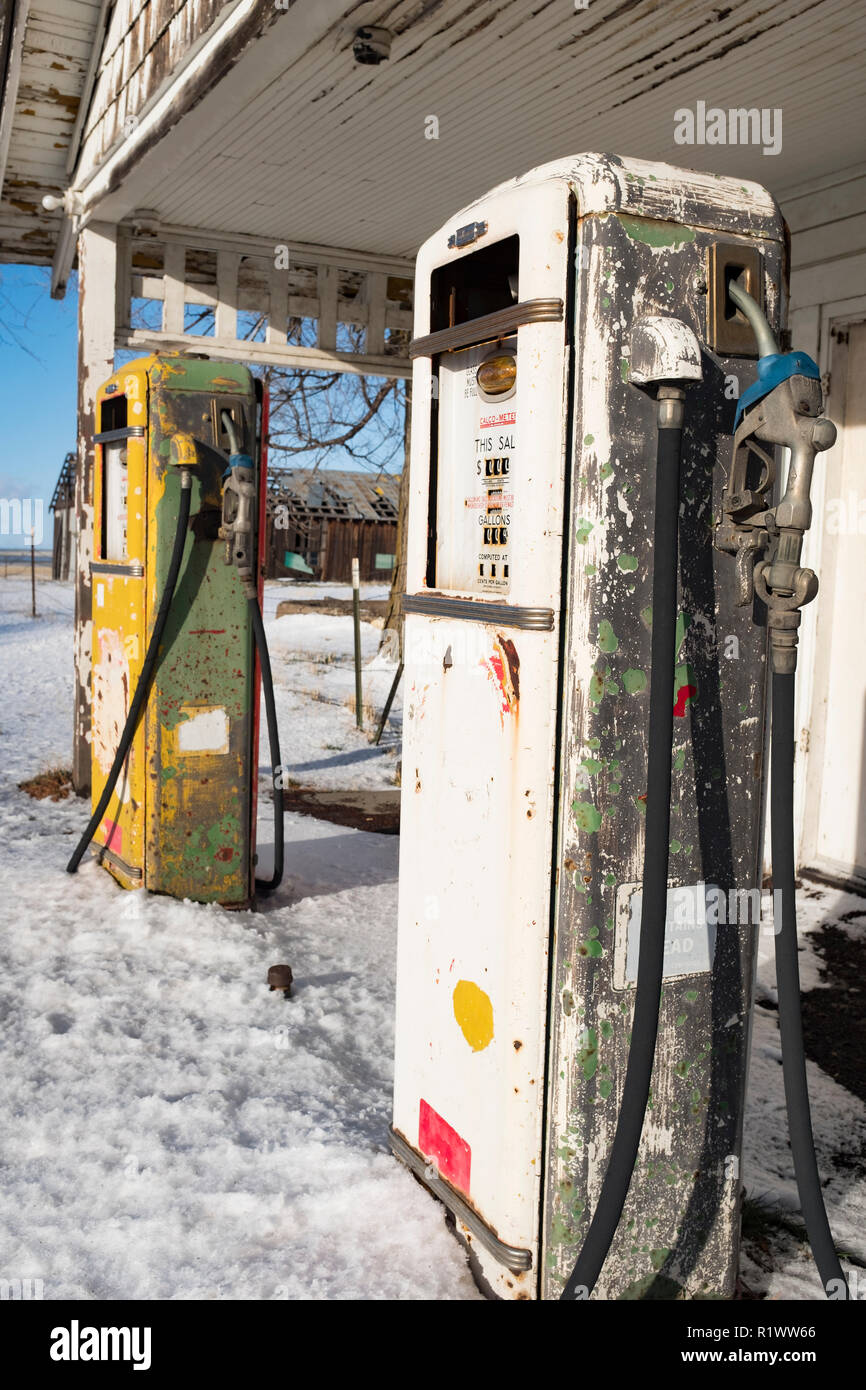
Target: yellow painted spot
474	1012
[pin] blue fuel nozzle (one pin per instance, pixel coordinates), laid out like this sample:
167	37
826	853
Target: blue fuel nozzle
774	368
238	461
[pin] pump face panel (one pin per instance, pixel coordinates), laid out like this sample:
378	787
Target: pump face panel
524	761
183	818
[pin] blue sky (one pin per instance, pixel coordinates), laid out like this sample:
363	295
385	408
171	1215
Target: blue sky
38	370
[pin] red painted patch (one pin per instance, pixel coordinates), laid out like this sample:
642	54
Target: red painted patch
451	1154
684	694
225	854
495	669
112	836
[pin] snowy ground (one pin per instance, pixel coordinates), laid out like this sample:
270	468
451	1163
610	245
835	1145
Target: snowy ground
171	1129
314	680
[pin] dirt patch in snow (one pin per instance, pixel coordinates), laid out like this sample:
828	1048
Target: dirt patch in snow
56	783
834	1019
374	810
371	608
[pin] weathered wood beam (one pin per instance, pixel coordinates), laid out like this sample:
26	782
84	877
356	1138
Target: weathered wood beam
97	278
287	355
226	313
174	287
327	320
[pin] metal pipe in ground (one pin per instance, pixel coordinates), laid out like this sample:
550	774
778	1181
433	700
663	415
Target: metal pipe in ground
356	610
389	702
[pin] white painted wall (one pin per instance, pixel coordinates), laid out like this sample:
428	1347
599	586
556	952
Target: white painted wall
828	291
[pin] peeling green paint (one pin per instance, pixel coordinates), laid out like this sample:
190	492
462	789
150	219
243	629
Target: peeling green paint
634	681
656	234
607	638
627	563
587	816
587	1057
590	948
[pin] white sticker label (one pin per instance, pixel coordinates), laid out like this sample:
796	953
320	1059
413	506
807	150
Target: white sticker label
690	940
203	731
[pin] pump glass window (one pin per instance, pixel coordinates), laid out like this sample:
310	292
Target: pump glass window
115	496
115	480
475	482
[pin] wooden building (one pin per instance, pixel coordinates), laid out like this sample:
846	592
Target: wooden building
63	507
318	520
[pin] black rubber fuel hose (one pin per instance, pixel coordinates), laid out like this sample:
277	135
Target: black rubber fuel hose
788	985
142	689
624	1150
267	885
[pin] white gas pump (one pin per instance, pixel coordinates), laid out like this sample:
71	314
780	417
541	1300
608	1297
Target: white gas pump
569	327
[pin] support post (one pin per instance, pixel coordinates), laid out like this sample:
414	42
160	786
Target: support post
394	614
97	257
356	614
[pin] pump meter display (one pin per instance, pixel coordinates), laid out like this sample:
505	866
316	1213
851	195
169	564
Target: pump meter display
116	499
476	499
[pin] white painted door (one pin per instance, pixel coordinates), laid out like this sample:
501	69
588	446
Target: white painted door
835	817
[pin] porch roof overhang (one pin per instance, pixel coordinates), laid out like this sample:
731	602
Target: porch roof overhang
269	128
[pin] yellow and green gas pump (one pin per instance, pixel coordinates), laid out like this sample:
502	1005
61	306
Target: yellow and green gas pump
178	647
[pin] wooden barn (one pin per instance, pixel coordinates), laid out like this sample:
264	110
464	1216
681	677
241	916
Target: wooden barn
63	506
319	520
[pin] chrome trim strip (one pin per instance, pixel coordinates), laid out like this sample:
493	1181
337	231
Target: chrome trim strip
111	436
102	852
498	325
132	571
502	614
511	1256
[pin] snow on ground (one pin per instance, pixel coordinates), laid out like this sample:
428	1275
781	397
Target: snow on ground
312	656
775	1259
169	1127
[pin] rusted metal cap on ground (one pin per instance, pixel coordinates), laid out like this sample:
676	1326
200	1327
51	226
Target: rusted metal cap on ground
280	977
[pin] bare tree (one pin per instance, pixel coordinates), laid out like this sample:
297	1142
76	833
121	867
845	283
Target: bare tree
314	413
15	326
317	416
